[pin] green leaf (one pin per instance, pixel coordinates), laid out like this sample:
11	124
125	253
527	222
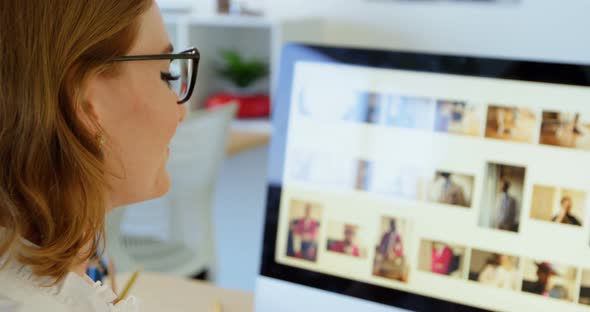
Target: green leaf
239	71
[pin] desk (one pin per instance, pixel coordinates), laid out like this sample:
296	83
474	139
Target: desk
248	134
240	141
159	293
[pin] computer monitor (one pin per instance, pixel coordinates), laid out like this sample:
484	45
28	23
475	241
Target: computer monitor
427	182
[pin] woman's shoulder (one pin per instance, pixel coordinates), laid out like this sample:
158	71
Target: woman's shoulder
20	290
26	300
19	285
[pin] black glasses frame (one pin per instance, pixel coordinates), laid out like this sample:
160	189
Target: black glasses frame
190	54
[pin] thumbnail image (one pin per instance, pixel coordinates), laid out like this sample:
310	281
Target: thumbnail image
304	225
585	289
391	260
299	165
410	112
364	169
566	130
494	269
402	180
442	258
302	105
459	117
328	170
451	189
502	199
549	280
368	108
324	105
311	102
511	123
558	205
346	239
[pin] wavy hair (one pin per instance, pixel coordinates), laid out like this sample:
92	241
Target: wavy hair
53	191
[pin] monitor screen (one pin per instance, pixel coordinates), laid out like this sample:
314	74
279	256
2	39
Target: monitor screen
431	182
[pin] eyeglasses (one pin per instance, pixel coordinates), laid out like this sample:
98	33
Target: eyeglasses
183	70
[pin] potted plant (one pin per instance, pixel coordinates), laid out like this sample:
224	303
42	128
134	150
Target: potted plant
242	76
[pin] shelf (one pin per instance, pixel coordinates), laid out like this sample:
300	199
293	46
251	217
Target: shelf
239	142
181	15
175	6
231	21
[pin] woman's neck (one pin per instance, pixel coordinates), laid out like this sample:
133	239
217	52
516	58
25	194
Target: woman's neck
80	267
80	270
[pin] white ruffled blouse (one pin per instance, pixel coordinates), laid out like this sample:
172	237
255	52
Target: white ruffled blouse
20	286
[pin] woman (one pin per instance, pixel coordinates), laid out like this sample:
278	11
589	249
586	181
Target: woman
565	216
391	246
84	128
305	232
389	255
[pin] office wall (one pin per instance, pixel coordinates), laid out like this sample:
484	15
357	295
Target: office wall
541	29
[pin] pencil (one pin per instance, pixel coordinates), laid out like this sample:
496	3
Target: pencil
128	286
112	272
217	307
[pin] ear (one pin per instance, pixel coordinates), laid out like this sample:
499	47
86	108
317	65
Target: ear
88	106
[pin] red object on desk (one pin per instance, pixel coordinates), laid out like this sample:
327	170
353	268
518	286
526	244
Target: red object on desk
249	106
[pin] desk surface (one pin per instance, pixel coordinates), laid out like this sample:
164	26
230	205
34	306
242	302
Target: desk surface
248	134
241	141
158	292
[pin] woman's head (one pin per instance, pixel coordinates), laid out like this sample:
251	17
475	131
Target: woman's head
500	260
566	204
139	114
505	261
349	233
79	133
392	226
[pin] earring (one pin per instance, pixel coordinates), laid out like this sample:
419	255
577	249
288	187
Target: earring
101	139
